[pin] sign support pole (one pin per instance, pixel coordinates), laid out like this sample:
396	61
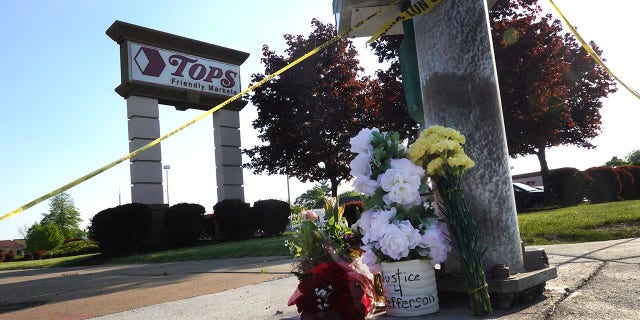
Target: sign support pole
145	168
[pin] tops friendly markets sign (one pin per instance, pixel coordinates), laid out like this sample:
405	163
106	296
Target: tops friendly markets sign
178	71
183	71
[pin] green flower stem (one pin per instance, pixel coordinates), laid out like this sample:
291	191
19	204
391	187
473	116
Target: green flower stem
464	233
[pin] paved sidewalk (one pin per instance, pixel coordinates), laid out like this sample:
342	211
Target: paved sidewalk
596	280
85	292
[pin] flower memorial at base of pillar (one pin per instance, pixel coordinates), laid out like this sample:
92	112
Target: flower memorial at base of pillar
399	236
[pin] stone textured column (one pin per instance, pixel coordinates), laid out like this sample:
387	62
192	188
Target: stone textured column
460	90
146	167
228	156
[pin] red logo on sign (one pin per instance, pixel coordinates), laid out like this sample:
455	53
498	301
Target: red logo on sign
149	61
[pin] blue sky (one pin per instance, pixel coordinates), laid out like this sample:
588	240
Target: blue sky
61	118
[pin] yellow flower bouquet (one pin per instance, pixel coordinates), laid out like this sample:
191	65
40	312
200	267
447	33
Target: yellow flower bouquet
439	150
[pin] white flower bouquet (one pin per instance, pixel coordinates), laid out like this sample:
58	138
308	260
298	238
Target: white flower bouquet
398	222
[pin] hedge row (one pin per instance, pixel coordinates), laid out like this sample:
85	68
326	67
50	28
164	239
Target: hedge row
132	227
121	230
569	186
234	219
184	223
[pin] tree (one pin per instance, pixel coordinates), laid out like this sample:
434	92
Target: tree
551	89
633	158
349	194
313	196
64	214
23	231
44	236
615	161
307	115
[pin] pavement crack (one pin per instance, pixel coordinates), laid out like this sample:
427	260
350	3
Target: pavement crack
569	291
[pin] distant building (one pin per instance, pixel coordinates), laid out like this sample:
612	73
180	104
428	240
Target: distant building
18	246
533	179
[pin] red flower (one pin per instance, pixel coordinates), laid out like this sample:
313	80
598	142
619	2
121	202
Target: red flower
334	290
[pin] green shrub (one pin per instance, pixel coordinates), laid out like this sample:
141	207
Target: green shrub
270	216
44	237
606	185
184	222
122	229
576	189
74	248
558	185
39	254
626	183
209	231
232	217
9	256
634	171
296	208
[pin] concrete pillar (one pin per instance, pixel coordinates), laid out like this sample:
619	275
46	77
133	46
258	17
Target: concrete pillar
146	167
460	90
228	156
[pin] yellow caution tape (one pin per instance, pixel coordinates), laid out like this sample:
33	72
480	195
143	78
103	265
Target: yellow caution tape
194	120
592	53
420	7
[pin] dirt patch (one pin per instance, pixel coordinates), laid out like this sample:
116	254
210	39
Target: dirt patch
629	226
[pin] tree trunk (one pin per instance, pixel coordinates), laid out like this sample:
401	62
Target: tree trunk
544	172
334	187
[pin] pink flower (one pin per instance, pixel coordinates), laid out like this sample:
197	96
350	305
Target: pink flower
310	215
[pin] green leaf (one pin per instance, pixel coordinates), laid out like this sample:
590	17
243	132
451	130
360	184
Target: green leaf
374	201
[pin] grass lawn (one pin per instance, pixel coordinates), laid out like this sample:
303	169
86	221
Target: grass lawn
233	249
46	263
582	223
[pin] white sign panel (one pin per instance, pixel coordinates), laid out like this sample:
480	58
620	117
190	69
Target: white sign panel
182	71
